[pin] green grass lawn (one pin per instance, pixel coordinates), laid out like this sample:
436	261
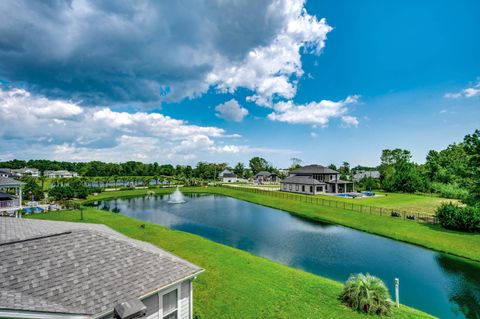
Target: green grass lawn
430	236
235	284
408	202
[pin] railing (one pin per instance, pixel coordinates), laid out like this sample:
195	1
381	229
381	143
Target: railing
9	203
366	209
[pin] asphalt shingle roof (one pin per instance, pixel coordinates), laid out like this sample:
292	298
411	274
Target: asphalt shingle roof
306	180
6	181
78	268
314	169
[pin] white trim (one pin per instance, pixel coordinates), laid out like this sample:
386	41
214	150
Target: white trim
163	293
38	315
191	297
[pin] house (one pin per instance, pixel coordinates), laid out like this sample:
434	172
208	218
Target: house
363	174
73	270
265	177
10	204
60	174
8	172
315	179
33	172
227	176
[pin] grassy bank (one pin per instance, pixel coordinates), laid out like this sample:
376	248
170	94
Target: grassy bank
421	203
235	284
434	237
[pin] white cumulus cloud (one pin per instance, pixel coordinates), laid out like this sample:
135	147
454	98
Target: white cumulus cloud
314	113
231	111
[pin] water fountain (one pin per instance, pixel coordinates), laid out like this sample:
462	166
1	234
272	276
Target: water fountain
177	197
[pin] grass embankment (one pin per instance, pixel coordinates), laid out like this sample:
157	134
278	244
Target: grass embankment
430	236
409	202
235	284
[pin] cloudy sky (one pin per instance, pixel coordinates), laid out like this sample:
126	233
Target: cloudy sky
184	81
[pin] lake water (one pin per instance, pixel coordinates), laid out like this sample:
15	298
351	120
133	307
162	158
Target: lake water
441	285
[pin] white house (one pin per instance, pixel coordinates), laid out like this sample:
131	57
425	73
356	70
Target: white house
227	176
315	179
10	204
27	172
363	174
79	271
60	174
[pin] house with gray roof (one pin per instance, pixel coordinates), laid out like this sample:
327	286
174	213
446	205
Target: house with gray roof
265	177
315	179
227	176
55	269
11	196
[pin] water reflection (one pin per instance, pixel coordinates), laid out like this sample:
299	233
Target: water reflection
438	284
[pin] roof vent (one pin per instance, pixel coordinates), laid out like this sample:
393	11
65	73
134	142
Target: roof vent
130	309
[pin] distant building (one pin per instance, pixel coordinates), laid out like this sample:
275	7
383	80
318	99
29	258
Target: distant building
6	172
60	174
227	176
315	179
265	177
73	270
10	204
27	172
363	174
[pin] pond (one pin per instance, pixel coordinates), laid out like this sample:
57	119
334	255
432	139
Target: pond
439	284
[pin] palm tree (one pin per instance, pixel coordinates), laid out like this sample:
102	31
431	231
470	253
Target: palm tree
367	294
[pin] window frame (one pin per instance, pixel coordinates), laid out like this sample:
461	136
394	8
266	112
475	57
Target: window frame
160	303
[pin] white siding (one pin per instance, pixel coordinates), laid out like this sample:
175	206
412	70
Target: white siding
185	300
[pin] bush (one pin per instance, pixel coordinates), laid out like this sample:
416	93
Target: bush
449	190
455	217
367	294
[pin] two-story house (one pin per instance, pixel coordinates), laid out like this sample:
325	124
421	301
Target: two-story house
315	179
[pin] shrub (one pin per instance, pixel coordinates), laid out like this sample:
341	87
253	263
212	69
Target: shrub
455	217
367	294
449	190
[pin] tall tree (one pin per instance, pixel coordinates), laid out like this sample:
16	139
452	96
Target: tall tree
295	163
239	170
472	148
258	164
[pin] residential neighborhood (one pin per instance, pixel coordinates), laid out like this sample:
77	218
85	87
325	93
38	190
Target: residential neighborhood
274	159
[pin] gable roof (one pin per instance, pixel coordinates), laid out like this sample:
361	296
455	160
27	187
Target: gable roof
314	169
305	180
9	182
78	268
226	173
264	174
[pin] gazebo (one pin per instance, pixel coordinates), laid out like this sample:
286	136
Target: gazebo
10	204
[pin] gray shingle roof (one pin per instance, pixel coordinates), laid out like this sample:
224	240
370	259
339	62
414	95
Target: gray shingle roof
263	173
6	181
314	169
306	180
78	268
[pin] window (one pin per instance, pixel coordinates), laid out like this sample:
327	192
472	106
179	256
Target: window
319	188
331	177
311	189
170	305
290	186
296	187
303	188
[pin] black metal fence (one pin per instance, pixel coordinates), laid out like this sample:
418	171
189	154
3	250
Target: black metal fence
366	209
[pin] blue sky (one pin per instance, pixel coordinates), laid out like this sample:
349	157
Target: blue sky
225	84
